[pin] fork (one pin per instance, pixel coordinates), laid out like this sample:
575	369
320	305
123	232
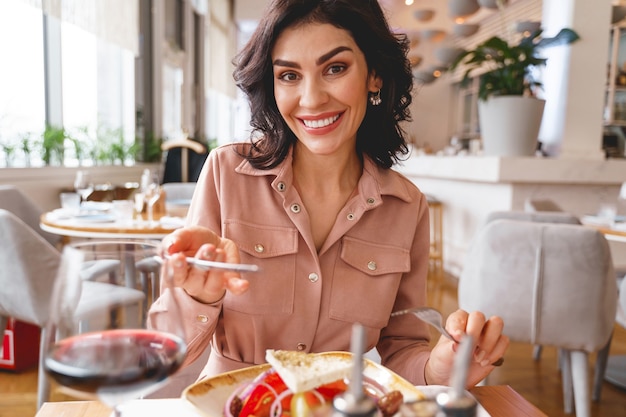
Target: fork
224	266
428	315
433	317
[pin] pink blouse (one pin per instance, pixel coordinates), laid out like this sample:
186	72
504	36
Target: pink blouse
374	261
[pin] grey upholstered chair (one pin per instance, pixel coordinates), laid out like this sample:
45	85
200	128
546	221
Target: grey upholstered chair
541	214
29	266
14	200
553	285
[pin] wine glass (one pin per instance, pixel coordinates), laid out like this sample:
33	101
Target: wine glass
97	342
83	184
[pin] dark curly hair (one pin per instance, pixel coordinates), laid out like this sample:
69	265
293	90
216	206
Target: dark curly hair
380	135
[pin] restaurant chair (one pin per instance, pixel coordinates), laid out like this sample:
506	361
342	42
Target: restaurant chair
30	264
553	285
556	216
184	160
616	371
18	203
533	213
178	197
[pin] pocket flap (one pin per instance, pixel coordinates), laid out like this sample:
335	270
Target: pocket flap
262	241
375	259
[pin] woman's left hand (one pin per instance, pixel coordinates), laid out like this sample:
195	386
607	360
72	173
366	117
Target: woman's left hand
489	346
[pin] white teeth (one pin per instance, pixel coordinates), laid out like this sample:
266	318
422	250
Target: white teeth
316	124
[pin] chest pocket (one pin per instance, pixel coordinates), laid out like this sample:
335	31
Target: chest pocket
274	250
366	281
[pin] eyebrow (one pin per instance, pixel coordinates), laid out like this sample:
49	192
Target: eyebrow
318	61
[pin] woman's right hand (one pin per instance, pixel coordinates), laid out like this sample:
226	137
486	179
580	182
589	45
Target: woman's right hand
201	243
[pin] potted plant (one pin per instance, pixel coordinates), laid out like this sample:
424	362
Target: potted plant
508	81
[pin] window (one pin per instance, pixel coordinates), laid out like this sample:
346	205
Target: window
22	101
81	84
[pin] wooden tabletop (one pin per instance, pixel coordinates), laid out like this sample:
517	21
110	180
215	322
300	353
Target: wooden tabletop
498	400
137	229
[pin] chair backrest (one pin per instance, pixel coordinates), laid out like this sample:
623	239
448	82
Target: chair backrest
22	206
179	190
539	205
535	216
29	266
553	284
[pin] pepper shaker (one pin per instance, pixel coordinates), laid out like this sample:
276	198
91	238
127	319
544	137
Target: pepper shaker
354	402
456	402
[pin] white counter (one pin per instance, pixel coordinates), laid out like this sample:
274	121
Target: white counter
470	187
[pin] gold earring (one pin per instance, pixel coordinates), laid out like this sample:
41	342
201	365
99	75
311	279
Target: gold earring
375	99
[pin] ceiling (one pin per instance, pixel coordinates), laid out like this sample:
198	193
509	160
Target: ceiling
425	35
401	17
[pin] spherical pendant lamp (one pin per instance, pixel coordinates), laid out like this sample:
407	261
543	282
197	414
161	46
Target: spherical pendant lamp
465	29
424	15
492	4
462	8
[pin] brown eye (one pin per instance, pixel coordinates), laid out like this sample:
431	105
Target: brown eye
336	69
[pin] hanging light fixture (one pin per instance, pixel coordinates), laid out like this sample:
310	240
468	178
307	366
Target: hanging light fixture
527	27
462	9
433	35
424	76
447	54
493	4
424	15
465	29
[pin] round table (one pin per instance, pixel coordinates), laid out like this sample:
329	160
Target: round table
66	226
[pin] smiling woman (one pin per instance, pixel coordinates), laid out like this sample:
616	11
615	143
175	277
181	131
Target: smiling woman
328	84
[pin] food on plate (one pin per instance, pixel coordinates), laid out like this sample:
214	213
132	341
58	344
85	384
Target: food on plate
304	371
298	383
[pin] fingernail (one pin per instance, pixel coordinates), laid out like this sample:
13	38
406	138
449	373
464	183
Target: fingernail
480	356
485	362
178	263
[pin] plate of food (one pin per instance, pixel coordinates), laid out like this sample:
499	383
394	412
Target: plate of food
267	390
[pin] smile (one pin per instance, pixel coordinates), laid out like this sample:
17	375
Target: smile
317	124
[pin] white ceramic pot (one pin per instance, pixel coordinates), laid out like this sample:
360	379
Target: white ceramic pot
509	125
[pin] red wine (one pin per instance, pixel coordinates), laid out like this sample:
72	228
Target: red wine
115	360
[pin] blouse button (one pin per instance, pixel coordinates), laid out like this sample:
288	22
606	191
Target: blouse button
313	277
350	216
301	347
281	186
370	201
258	248
295	208
371	265
201	318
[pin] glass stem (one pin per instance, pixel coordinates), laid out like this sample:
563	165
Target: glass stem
150	213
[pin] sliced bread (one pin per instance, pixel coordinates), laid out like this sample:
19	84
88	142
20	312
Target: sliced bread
304	371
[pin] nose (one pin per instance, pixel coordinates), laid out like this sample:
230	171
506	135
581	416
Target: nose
313	93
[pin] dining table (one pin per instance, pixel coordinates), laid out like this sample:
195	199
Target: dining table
497	400
102	224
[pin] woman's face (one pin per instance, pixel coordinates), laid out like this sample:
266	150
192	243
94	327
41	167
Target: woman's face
321	84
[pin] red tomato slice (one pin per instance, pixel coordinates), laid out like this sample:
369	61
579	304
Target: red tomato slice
331	390
259	402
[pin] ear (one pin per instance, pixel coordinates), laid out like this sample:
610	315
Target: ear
374	82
